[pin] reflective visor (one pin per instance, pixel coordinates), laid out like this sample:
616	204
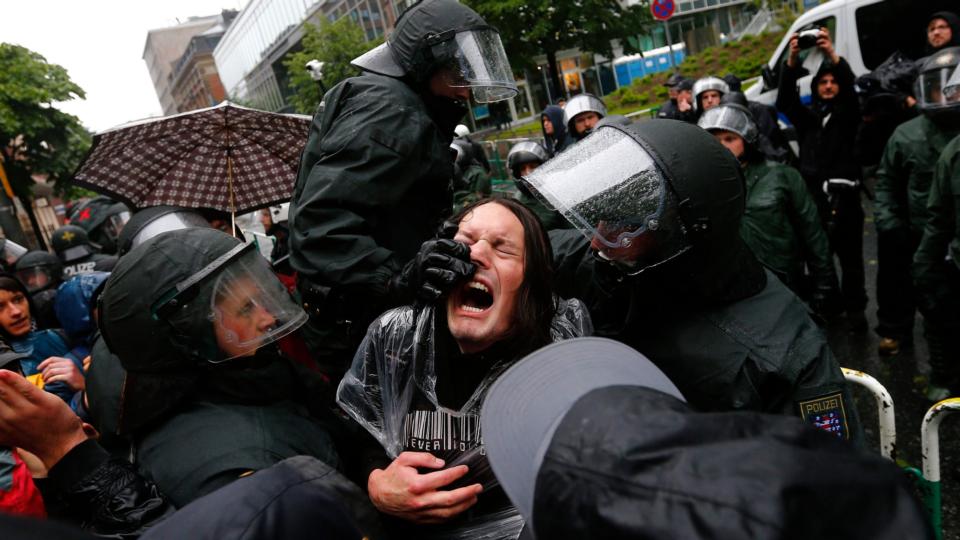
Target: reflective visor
115	223
250	307
607	185
35	278
729	118
952	89
168	222
480	63
12	252
930	88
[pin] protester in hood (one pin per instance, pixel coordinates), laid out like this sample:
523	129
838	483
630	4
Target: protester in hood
943	30
657	256
554	129
827	132
374	179
425	367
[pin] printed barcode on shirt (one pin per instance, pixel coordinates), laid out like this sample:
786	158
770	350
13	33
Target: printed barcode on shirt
440	430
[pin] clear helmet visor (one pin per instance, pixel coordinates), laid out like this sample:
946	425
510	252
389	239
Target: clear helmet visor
250	307
611	189
951	91
75	253
115	223
729	119
932	89
168	222
35	278
480	63
12	252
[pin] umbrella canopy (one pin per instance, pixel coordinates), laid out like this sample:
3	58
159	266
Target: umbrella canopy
227	158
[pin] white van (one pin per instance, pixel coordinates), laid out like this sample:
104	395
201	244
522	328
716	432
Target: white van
864	32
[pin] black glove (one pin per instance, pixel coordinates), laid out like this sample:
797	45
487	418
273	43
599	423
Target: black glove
435	270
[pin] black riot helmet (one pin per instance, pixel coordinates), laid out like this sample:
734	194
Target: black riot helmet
150	222
10	253
39	271
936	88
103	219
182	302
657	190
71	243
523	153
435	34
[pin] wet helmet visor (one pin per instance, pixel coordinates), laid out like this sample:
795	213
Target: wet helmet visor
247	305
476	59
612	190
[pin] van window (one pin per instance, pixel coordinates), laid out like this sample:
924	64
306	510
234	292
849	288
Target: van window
894	25
829	22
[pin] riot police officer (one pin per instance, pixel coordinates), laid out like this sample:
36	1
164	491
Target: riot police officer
936	263
375	176
581	115
103	219
77	253
658	258
523	159
10	253
41	272
707	93
902	190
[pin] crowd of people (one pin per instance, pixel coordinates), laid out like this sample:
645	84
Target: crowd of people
414	359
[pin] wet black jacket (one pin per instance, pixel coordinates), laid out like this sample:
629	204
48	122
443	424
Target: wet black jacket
756	349
374	183
827	130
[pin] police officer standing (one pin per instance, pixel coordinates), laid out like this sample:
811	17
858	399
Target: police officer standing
78	254
375	176
903	187
581	115
936	264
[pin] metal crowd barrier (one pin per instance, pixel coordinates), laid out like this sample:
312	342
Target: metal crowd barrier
888	428
929	479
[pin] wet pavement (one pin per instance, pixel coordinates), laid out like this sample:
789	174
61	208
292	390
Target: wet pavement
904	377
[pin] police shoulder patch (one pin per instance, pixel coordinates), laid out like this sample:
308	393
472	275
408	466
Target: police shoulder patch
827	412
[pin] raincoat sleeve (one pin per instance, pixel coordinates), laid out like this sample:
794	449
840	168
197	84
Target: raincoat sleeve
377	390
106	495
362	157
814	239
788	99
928	261
890	208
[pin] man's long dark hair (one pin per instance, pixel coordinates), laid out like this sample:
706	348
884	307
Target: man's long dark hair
536	306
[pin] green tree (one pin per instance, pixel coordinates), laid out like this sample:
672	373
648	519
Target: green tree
533	27
36	138
333	43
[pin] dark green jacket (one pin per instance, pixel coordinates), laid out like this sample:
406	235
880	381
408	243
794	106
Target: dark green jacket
760	353
477	185
374	183
782	227
905	174
941	235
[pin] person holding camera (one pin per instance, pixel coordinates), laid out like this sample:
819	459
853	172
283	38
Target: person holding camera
826	131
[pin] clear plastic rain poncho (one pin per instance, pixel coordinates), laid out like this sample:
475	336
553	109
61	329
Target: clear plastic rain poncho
395	365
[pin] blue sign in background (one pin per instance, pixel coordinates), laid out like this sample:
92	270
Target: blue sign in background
481	111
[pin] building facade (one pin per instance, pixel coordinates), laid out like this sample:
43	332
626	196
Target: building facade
194	80
162	50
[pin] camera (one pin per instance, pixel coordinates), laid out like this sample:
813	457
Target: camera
808	38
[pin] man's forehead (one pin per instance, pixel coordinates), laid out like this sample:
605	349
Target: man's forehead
493	219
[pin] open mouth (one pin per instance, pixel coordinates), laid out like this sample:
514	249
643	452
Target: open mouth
475	297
